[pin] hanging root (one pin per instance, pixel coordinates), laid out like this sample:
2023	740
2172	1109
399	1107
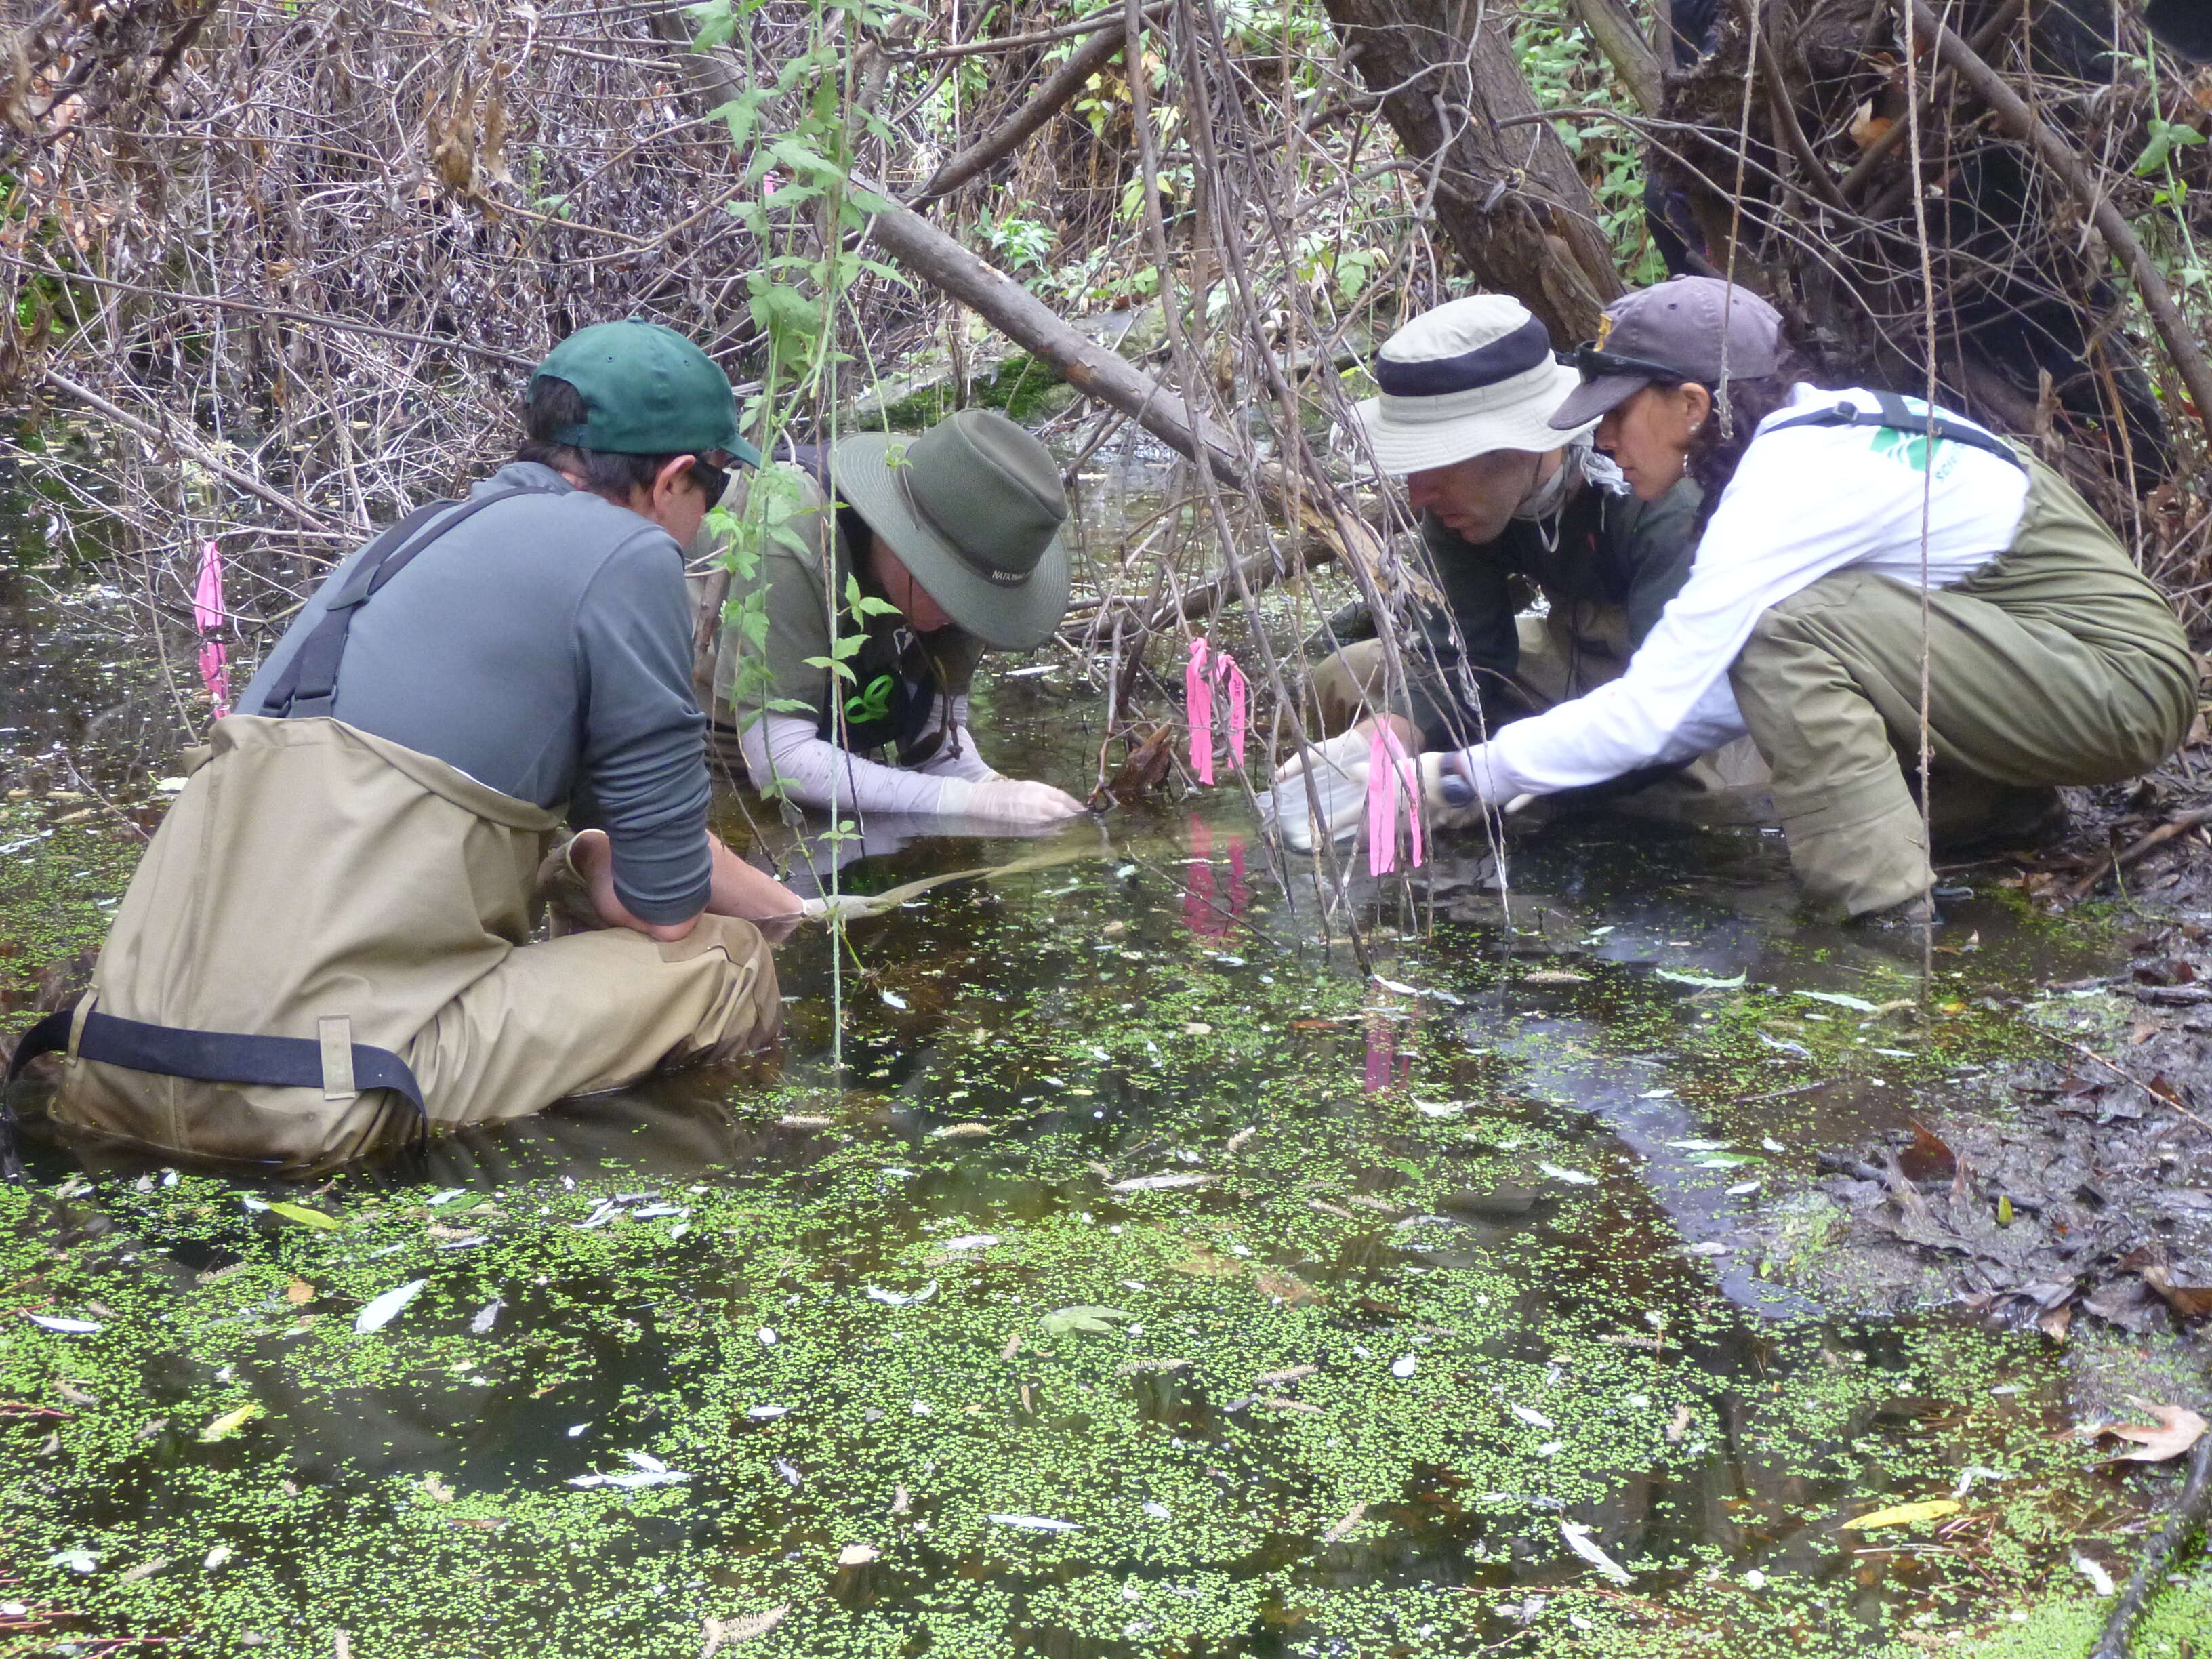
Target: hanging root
2189	1513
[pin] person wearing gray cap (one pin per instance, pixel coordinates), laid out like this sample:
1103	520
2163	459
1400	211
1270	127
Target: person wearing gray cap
881	568
1832	519
1511	507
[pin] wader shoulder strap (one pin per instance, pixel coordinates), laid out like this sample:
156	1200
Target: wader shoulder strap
309	685
273	1062
1896	415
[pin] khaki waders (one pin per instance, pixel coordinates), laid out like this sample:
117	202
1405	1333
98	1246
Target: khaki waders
2059	663
315	882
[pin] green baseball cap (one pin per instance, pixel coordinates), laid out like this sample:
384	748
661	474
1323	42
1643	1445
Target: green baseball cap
646	391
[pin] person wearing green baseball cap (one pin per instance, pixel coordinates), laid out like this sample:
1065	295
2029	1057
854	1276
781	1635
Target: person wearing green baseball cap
328	947
926	551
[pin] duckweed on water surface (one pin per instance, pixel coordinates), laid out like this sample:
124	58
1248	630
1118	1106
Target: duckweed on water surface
1143	1285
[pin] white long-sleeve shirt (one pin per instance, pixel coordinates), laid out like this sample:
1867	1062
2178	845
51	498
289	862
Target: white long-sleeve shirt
1803	503
785	753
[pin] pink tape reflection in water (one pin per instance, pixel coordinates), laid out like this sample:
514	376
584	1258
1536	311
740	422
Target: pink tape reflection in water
1198	710
207	617
1390	771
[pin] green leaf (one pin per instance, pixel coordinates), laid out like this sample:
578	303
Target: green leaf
1094	1320
304	1216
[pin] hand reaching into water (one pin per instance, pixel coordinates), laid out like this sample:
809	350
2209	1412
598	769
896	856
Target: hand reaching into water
1337	771
1021	802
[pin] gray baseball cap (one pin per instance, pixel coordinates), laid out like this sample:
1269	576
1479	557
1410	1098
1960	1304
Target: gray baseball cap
1686	328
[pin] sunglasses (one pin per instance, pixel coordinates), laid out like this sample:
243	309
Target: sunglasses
1595	363
710	477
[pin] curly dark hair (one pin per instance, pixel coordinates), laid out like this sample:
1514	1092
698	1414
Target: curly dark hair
1719	444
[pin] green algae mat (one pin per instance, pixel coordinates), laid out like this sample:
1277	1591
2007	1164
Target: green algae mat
1139	1279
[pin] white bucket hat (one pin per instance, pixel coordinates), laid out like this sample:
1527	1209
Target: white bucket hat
1472	376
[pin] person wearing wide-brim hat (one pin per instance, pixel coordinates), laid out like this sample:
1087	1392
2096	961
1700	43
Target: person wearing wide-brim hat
1873	572
868	579
1510	508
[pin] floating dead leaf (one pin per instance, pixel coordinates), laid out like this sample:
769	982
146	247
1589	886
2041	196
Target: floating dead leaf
857	1555
1326	1208
1205	1263
956	1131
1929	1157
728	1632
1342	1530
1905	1515
1555	976
1278	1379
1161	1183
2176	1430
2187	1301
1381	1205
1293	1291
74	1395
230	1422
436	1489
299	1291
145	1569
901	1499
1679	1424
1577	1538
1135	1367
817	1121
1240	1138
1013	1347
1145	770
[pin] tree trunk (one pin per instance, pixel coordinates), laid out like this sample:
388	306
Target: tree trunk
1506	192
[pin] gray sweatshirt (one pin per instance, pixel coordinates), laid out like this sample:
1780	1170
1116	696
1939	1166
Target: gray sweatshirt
543	648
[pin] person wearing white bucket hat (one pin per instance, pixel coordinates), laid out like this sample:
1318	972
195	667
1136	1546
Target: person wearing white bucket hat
1511	508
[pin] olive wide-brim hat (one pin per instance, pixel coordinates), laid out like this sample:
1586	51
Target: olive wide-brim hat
973	508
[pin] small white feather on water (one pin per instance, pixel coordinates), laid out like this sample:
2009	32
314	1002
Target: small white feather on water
1035	1522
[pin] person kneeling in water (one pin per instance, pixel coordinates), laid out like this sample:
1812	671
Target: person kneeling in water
325	950
952	543
1834	519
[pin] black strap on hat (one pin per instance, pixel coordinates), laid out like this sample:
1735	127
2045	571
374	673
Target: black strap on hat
1486	365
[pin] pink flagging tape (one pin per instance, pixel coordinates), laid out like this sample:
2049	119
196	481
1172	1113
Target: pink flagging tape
1198	710
1391	771
1198	680
1239	709
207	617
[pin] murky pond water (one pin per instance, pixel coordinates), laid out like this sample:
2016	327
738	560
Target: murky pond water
1132	1274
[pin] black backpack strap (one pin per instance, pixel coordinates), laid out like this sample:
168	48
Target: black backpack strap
207	1057
1894	414
308	686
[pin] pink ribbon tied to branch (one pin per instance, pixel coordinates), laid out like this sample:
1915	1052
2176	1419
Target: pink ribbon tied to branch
1198	682
1390	772
208	618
